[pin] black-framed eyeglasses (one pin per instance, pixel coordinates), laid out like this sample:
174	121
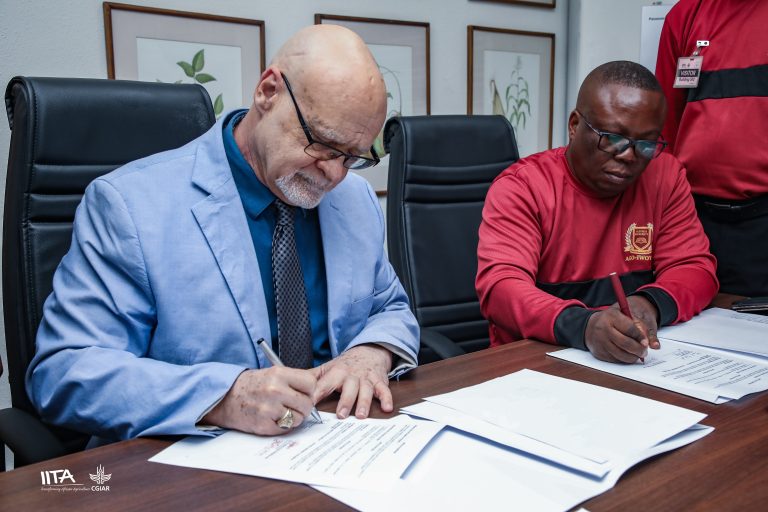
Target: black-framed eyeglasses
615	143
323	151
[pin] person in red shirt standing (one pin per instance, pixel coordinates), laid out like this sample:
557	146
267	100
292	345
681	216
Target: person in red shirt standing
557	223
718	128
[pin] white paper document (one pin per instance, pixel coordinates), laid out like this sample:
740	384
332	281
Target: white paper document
349	453
460	472
723	329
707	374
594	423
468	423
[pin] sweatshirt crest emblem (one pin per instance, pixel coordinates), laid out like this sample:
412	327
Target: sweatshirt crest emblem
639	240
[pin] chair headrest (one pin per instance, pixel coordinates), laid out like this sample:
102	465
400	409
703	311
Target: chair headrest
112	121
453	140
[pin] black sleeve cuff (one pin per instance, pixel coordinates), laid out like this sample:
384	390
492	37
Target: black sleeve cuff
571	327
664	303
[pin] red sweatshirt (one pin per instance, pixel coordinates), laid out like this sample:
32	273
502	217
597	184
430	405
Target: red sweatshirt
719	131
547	245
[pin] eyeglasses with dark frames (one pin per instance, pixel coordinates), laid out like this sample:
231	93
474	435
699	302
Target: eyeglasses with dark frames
323	151
615	143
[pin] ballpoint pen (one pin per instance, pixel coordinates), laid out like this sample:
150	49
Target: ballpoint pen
275	360
621	298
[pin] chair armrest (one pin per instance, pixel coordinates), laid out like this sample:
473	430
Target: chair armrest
28	438
442	345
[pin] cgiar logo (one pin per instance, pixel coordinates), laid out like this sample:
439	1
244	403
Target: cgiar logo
100	478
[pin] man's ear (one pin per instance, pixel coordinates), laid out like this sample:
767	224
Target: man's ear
573	123
266	93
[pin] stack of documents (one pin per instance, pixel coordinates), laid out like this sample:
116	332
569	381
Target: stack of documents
530	441
718	356
526	441
723	329
578	425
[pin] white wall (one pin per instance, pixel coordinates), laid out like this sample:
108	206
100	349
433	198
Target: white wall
600	31
66	39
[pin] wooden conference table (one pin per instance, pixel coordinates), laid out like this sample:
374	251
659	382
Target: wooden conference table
727	470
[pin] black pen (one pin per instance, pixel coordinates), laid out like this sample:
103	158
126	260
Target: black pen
277	362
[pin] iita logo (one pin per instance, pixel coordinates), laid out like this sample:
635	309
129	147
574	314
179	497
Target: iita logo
57	477
62	480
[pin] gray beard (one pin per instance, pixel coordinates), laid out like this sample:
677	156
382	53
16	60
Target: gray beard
301	190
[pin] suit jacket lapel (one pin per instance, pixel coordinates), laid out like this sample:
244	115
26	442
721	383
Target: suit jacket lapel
338	266
222	220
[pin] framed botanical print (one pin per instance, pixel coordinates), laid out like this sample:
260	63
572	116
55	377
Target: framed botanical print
511	73
223	54
546	4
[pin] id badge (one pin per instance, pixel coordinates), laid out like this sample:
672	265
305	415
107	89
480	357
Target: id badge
688	72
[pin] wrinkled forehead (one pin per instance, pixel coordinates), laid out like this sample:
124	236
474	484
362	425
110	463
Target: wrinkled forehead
346	116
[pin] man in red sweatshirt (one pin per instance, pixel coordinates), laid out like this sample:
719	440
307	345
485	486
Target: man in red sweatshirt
557	223
719	128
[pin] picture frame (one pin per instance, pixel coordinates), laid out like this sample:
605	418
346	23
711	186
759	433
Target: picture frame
401	48
511	72
546	4
223	54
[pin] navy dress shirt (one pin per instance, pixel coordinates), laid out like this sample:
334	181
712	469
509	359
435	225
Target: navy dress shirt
258	202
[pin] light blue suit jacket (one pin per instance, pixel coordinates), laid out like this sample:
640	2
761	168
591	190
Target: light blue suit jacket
157	306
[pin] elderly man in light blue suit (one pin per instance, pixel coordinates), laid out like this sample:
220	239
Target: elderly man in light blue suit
157	308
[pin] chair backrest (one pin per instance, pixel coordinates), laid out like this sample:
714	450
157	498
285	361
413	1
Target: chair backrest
440	169
65	132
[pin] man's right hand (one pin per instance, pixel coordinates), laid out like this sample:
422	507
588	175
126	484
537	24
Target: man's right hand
259	398
613	337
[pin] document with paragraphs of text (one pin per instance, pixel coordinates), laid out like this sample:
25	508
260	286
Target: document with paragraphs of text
350	453
715	376
723	329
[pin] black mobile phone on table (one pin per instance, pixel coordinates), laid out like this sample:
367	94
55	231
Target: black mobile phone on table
758	305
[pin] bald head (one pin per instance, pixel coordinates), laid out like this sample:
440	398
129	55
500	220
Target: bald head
335	61
617	73
319	45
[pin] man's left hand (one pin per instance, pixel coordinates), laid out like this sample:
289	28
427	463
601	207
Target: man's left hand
358	374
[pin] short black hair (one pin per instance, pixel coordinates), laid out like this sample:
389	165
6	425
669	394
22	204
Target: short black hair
624	72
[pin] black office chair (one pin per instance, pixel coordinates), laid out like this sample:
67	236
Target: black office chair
65	133
440	169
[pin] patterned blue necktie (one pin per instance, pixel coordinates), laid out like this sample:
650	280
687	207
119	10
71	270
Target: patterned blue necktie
293	330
